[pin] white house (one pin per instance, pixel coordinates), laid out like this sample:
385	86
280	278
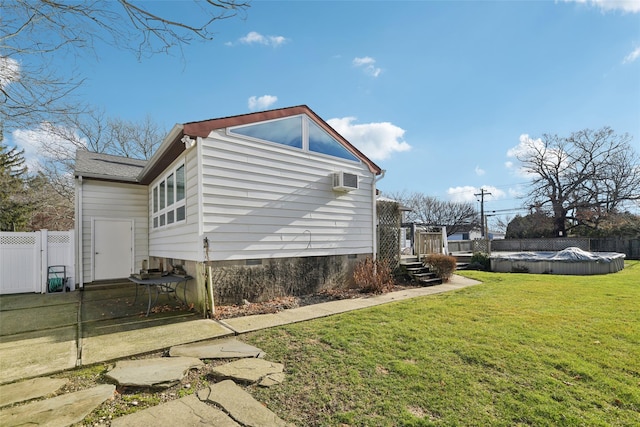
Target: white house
277	202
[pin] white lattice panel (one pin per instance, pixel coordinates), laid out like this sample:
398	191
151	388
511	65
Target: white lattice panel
17	240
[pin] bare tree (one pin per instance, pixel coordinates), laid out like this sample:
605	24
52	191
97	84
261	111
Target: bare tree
94	132
33	31
583	177
430	211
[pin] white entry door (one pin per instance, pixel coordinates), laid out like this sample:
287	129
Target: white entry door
112	248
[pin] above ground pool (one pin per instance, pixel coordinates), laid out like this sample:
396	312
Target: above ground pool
568	261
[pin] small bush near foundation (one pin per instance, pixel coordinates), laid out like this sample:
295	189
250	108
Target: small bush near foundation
479	261
373	276
442	265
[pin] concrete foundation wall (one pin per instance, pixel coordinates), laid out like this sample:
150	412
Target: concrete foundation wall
262	280
271	278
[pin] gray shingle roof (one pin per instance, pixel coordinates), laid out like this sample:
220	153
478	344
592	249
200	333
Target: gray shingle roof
107	166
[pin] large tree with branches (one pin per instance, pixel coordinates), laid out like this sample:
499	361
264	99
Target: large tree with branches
93	131
583	178
34	32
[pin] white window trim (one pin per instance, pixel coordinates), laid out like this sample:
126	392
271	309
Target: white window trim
155	216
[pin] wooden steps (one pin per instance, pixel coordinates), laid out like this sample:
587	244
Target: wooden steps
463	259
419	272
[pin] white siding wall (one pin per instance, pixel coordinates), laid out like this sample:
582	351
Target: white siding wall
180	241
269	201
102	199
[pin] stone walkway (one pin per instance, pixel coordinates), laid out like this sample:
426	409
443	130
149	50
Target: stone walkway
238	408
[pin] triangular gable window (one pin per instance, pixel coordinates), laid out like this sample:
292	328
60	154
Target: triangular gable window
297	132
322	142
285	131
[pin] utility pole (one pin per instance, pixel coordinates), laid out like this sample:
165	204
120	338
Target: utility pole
482	225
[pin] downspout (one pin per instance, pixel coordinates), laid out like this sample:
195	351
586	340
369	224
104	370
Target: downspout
79	237
375	214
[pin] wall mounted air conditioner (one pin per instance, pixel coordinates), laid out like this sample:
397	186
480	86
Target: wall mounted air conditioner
343	181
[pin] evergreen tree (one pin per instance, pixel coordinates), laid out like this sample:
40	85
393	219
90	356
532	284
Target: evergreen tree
15	207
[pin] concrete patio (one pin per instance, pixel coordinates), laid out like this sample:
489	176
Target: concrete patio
41	334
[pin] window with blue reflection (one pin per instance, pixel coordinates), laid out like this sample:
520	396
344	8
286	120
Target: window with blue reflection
286	131
322	142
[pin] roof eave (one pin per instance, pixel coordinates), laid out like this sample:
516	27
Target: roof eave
147	174
110	178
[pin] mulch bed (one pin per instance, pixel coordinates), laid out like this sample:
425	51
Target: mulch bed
283	303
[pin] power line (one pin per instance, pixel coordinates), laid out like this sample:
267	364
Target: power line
509	210
482	194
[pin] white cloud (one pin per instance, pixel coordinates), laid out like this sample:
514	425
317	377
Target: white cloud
632	6
551	156
632	56
462	194
467	193
378	141
9	71
46	134
256	38
368	64
479	171
526	147
261	102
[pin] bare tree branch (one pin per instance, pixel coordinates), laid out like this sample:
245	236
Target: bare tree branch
32	32
581	178
430	211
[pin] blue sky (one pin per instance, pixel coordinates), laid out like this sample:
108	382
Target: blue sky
437	93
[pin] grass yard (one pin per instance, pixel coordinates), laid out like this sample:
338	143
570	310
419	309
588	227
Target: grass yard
519	349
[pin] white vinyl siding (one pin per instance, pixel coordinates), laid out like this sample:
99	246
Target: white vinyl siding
179	240
268	201
101	199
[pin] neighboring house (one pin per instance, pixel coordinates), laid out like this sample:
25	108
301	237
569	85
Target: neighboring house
473	234
466	234
277	202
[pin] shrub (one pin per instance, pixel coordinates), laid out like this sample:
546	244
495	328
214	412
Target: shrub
442	265
480	261
373	276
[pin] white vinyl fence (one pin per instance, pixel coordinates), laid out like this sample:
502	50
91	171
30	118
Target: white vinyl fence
25	258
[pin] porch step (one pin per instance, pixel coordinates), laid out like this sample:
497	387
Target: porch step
463	259
431	282
420	272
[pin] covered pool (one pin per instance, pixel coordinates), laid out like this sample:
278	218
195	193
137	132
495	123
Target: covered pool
573	261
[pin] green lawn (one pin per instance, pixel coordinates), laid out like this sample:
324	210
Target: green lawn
519	349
